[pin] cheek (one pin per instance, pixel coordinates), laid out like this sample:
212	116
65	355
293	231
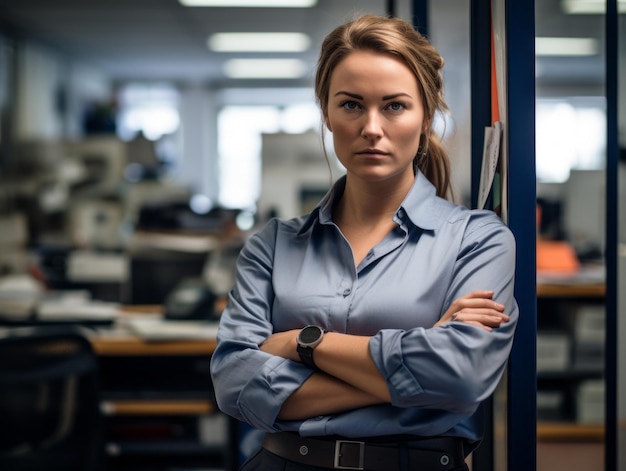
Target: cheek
409	139
342	131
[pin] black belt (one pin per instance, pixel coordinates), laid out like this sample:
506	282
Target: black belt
429	454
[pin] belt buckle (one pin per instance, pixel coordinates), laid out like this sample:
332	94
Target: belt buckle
338	454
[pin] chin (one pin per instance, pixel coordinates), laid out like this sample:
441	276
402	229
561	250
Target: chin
379	177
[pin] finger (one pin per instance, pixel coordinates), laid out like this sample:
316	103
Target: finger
476	303
479	293
491	318
482	309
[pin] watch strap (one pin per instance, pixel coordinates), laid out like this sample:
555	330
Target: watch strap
306	355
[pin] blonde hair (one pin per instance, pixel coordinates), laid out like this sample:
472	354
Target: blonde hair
396	37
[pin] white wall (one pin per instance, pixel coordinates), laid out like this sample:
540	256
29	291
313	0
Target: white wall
198	140
51	93
40	74
451	37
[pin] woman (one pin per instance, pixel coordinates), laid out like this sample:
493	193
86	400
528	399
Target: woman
366	334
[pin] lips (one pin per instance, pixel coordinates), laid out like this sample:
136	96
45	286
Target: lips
371	152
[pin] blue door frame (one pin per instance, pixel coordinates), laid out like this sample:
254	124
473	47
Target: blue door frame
521	427
612	223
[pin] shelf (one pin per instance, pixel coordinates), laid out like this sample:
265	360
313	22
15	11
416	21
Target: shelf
569	432
157	407
569	375
594	290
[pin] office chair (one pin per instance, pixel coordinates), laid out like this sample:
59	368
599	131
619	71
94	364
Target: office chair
49	400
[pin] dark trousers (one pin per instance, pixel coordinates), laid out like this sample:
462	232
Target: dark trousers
263	460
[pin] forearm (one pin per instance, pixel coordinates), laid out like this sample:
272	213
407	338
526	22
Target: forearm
322	394
342	356
347	358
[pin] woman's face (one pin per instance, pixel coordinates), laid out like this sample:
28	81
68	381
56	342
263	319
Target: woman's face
376	115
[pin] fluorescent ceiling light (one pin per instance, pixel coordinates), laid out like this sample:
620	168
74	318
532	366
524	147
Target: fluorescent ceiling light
265	68
585	7
250	3
566	46
258	42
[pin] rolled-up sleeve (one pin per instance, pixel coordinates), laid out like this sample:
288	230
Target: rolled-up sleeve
249	384
456	366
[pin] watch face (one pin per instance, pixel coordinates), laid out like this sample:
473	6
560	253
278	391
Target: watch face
310	334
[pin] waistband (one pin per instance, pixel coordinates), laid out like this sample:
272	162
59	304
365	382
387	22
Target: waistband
429	454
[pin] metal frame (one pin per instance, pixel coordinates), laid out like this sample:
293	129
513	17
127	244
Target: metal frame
522	385
611	251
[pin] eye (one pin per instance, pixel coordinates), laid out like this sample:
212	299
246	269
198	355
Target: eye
350	105
396	106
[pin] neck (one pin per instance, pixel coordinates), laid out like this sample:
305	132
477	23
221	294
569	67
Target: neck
366	203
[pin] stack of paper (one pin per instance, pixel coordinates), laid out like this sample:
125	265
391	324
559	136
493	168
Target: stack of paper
160	329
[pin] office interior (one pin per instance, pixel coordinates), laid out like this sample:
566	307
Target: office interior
135	159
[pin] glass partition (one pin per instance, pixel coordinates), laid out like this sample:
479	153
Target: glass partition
571	247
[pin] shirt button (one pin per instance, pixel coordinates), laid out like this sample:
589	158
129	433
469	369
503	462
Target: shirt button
346	292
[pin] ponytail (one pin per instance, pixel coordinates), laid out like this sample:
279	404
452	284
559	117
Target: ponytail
432	160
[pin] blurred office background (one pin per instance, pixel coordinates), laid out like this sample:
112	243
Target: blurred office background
141	141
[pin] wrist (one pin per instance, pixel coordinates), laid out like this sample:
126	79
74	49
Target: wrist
306	342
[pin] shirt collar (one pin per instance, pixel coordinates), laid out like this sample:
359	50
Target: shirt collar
419	205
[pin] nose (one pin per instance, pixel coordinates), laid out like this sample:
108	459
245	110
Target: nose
372	126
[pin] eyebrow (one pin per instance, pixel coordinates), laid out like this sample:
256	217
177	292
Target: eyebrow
385	98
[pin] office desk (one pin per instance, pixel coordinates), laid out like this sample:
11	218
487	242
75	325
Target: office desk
132	346
158	403
115	343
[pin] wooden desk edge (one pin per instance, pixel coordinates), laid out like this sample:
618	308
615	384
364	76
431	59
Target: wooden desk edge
134	346
157	407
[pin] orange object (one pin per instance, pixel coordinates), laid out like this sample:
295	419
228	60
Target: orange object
556	256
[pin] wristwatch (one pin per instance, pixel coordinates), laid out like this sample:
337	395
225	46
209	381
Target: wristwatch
309	338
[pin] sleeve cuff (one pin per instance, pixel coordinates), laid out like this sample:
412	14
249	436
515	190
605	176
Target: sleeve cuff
386	351
263	396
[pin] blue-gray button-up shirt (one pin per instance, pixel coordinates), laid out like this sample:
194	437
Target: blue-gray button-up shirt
301	271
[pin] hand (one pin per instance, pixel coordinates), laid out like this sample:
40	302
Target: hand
476	308
282	344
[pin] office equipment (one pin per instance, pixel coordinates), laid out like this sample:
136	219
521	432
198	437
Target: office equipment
158	261
191	299
49	400
18	296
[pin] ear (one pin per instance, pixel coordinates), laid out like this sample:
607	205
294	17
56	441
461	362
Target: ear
327	123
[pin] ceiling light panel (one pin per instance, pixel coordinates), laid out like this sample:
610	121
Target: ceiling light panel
265	68
566	46
250	3
258	42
